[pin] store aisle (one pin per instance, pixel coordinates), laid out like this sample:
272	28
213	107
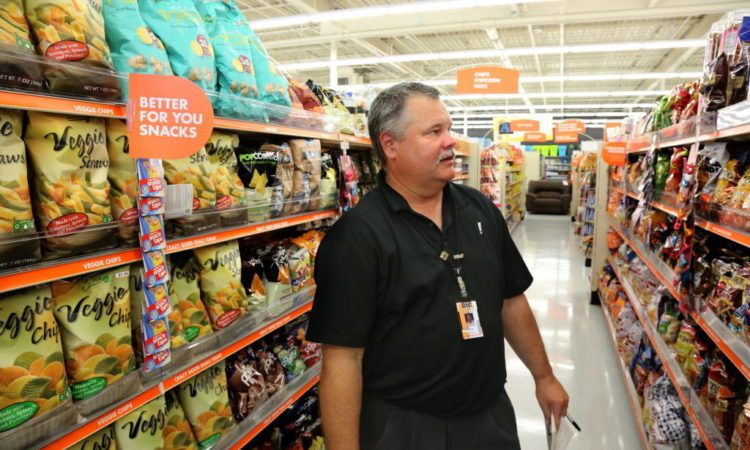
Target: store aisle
577	341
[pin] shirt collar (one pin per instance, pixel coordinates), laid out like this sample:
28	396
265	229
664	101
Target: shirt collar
398	203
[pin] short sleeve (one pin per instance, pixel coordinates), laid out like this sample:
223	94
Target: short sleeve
516	275
345	300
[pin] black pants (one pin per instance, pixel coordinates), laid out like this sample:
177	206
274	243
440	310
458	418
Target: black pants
386	427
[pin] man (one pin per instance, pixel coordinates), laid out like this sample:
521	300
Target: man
398	277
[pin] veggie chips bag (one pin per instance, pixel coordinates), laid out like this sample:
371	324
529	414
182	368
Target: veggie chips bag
230	192
135	48
205	401
180	27
32	374
16	217
143	428
72	31
123	181
233	61
221	282
184	291
71	191
15	47
103	439
196	170
177	432
93	312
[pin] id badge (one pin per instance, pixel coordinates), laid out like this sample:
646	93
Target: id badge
468	316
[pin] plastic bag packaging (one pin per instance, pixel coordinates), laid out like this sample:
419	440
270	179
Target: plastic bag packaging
72	32
196	170
257	170
182	31
16	217
247	387
177	432
328	183
205	401
283	187
16	71
184	289
278	279
230	192
143	428
135	48
306	154
221	282
71	190
103	439
252	279
123	181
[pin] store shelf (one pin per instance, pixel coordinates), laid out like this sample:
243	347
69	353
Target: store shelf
736	236
627	379
701	418
177	375
461	153
461	177
509	185
32	275
266	413
663	275
737	350
658	205
519	169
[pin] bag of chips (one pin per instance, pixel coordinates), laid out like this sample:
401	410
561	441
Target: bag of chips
196	170
143	428
93	312
123	181
72	32
278	279
247	387
741	436
306	154
308	351
16	217
300	265
184	290
257	170
230	192
138	297
269	366
71	191
221	282
286	349
309	101
281	197
252	279
234	63
135	48
328	184
205	401
32	374
103	439
177	432
16	71
180	27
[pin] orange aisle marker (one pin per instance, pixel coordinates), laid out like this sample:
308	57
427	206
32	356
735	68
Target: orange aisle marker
613	153
47	103
726	349
736	236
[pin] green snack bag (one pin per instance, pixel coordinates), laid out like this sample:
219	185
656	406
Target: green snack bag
180	27
196	170
103	439
185	291
177	433
143	428
93	312
123	181
32	373
15	45
205	401
221	282
234	63
328	187
230	192
70	186
135	48
16	216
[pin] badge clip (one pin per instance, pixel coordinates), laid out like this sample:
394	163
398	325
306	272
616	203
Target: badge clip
444	255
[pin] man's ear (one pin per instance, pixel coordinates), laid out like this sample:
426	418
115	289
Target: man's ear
388	143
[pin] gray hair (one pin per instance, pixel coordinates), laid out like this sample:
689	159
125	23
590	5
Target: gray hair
387	112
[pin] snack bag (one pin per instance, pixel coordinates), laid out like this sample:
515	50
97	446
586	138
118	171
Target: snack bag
309	101
71	191
728	178
123	181
230	192
269	366
233	61
283	188
72	31
205	401
247	387
196	170
257	170
139	301
103	439
300	265
741	436
135	48
177	432
15	47
184	290
278	279
287	351
16	217
252	279
93	312
328	184
306	154
180	27
143	428
221	282
308	351
32	374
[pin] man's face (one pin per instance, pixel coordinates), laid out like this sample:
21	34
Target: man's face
427	150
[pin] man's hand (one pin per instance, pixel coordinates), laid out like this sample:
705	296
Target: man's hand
552	398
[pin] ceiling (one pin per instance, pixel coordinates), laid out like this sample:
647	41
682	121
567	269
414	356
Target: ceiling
571	53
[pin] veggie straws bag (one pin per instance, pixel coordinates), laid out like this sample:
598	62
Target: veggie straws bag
15	46
16	217
184	290
230	192
196	170
123	181
71	190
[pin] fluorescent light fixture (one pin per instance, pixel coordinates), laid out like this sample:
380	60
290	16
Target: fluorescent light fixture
460	117
554	94
551	107
499	53
378	11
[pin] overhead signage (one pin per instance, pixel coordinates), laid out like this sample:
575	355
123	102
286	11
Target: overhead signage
566	137
487	80
534	136
514	127
613	153
611	130
169	117
570	126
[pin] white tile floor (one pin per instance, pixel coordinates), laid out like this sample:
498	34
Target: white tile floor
576	337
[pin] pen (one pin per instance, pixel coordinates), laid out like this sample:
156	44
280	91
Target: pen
574	423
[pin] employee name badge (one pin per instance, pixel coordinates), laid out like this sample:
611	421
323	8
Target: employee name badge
468	316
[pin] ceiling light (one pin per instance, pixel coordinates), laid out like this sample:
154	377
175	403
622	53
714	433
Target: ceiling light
551	107
554	94
377	11
499	53
460	117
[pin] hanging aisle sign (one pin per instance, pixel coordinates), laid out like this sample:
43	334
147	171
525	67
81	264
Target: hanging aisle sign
570	126
169	117
487	80
613	153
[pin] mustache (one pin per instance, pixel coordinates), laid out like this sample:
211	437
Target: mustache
447	154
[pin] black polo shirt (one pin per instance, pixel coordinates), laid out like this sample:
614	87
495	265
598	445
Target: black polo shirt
382	286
